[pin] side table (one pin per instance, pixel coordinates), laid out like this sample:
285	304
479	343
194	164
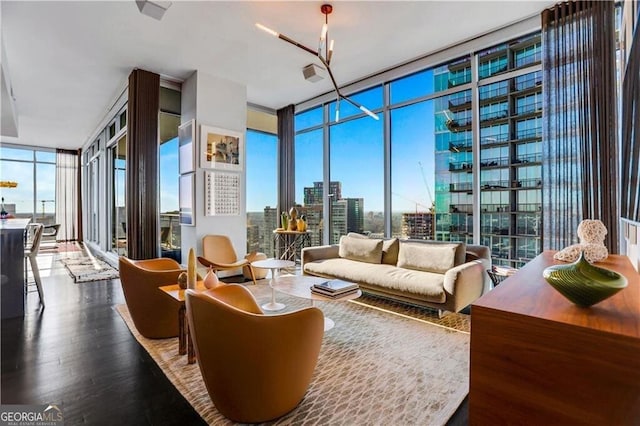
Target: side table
290	243
275	265
185	344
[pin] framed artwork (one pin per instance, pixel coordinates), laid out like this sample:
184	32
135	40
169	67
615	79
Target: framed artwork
220	149
186	147
222	194
187	199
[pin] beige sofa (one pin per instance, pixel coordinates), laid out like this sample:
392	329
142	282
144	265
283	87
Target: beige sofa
447	276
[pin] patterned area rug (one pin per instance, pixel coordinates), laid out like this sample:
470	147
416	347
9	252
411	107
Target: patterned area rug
85	269
375	367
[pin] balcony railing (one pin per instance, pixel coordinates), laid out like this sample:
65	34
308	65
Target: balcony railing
462	145
461	208
495	184
494	230
494	93
495	138
528	83
528	207
462	165
456	81
522	230
529	133
529	59
458	101
461	186
528	158
527	183
495	162
494	115
528	109
497	208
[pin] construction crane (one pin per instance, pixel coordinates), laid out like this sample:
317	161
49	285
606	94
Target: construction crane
426	185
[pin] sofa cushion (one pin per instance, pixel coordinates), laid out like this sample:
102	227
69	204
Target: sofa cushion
421	285
360	249
389	248
437	258
390	251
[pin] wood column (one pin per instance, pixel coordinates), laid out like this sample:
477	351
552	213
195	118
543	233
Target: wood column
142	165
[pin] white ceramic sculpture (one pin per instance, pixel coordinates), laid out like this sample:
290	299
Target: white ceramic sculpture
591	234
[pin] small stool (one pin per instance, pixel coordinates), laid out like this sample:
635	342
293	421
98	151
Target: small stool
259	273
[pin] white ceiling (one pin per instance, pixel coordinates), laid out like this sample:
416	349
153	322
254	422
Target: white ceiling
68	61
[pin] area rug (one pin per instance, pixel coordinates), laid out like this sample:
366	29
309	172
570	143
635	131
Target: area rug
85	269
375	367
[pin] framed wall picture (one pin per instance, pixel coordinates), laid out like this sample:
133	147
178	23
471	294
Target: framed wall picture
220	149
222	194
187	147
187	199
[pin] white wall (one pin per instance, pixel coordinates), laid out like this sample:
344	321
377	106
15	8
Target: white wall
215	102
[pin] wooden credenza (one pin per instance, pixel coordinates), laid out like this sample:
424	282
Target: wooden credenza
538	359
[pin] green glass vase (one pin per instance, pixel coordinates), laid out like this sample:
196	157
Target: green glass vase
584	284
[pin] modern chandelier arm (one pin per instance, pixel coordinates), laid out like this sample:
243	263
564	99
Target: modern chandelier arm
287	39
324	54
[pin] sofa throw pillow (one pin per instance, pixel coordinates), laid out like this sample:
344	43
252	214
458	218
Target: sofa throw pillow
360	249
390	251
437	258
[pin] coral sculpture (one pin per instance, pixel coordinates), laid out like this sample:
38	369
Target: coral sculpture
591	234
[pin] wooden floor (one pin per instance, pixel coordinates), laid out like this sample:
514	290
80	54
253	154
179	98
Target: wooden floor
78	352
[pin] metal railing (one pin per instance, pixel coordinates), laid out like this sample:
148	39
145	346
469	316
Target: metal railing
497	208
461	186
527	183
529	133
461	208
495	162
494	115
528	158
463	165
496	184
528	207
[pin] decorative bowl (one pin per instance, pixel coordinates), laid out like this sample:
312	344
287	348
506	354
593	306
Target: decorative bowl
584	284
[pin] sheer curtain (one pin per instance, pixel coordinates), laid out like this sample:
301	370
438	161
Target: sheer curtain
67	197
580	151
631	133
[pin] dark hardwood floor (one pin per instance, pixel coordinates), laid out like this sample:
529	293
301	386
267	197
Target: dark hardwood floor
78	352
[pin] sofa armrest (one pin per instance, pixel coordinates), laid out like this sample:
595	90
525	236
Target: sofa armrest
464	283
309	254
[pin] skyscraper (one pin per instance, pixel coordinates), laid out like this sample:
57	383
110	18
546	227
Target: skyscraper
418	225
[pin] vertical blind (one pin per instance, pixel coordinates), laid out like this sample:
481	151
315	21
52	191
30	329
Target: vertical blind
286	162
580	150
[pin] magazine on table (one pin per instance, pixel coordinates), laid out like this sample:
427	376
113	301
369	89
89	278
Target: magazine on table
335	286
324	293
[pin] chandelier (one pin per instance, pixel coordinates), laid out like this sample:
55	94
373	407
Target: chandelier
324	54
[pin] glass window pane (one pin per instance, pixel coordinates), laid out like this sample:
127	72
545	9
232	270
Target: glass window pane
46	156
7	153
45	193
413	171
412	86
262	191
357	204
309	177
370	99
118	207
170	229
309	118
18	200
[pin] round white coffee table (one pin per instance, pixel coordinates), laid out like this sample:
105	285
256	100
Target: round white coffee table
275	265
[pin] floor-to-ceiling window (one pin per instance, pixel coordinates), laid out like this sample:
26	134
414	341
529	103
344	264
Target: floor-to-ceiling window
262	196
309	177
168	174
118	155
463	150
33	171
356	165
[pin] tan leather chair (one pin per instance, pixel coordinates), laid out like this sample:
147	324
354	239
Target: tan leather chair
218	253
256	367
154	313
